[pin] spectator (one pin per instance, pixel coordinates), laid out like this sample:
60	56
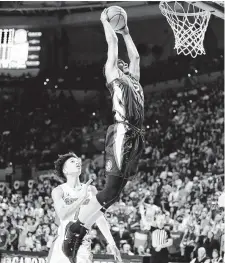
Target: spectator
122	235
201	258
205	221
222	244
188	184
173	200
14	238
217	226
148	211
126	249
216	257
209	243
169	222
189	242
4	237
29	241
177	236
97	249
142	252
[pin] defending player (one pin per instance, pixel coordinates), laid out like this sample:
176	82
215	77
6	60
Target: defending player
125	138
70	198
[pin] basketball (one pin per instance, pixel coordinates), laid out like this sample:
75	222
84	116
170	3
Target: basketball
117	17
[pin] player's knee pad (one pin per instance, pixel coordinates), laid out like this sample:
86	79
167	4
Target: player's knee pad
108	195
112	190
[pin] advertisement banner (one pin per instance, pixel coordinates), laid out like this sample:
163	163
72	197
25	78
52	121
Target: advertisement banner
29	257
18	258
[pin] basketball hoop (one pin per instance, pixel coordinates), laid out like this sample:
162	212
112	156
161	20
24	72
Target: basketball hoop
221	3
189	24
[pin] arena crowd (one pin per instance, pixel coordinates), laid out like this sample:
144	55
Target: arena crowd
180	174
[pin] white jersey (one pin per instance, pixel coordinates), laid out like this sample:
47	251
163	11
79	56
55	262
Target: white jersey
84	255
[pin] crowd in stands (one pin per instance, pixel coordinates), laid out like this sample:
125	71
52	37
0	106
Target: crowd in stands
28	217
180	173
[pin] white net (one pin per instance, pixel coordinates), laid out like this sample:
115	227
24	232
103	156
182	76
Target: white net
189	24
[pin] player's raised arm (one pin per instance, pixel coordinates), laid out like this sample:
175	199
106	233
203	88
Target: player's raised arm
64	210
134	66
111	70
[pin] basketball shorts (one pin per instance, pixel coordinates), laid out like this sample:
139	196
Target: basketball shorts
123	149
56	254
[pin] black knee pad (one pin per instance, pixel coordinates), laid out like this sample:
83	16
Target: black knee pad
108	194
111	192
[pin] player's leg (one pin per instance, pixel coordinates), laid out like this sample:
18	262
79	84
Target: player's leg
51	253
55	254
115	184
119	153
84	255
84	259
115	180
68	242
111	192
105	198
122	154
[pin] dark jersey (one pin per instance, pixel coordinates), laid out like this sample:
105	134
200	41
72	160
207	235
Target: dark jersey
128	100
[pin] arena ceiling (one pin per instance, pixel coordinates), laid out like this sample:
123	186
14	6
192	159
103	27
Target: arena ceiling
36	14
65	13
62	7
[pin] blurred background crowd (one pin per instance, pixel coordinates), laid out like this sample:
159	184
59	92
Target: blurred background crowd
67	108
180	173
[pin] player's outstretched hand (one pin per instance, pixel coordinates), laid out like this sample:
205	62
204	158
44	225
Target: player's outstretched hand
123	31
116	253
104	16
84	190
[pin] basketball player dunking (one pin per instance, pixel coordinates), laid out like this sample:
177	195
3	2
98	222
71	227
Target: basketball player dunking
124	139
70	198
